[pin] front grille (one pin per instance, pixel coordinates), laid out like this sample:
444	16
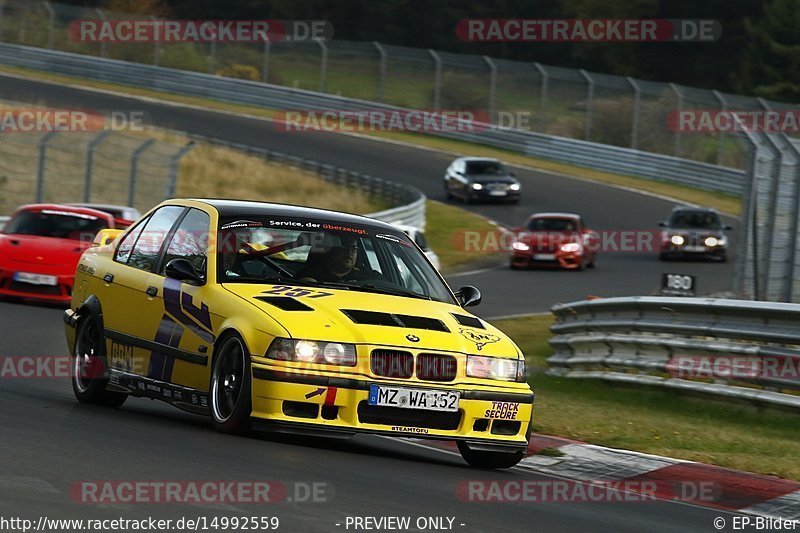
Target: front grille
436	367
392	363
34	289
418	418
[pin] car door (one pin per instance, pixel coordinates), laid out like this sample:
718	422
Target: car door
178	320
125	302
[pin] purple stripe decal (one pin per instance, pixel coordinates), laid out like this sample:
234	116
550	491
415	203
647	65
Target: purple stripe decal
172	303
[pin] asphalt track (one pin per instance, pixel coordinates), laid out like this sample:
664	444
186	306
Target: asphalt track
505	292
49	442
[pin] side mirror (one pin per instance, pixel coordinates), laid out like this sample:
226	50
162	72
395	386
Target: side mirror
468	296
662	224
183	270
727	227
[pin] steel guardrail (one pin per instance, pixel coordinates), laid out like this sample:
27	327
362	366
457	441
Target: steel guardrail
583	153
732	348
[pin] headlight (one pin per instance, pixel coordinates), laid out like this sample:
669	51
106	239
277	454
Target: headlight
479	366
677	240
521	246
712	241
571	247
514	186
477	186
318	352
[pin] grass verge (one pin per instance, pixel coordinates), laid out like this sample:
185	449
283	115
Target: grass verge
725	203
662	422
444	224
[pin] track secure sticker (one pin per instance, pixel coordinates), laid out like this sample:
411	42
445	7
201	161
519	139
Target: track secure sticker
480	339
502	411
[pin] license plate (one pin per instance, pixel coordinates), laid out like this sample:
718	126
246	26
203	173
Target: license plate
431	400
35	279
497	193
695	249
544	257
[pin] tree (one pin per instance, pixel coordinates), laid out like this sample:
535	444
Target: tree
772	64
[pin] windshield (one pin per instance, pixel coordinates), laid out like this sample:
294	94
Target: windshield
552	224
56	224
694	220
318	253
492	168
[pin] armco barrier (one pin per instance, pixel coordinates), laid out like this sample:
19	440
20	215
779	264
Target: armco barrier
591	155
732	348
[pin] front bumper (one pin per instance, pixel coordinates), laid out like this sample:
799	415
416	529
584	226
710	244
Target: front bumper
318	404
565	260
61	293
670	249
487	196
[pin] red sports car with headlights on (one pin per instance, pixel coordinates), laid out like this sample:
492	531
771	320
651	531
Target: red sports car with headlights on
40	247
559	240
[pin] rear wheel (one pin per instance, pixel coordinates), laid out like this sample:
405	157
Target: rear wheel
89	366
487	459
230	387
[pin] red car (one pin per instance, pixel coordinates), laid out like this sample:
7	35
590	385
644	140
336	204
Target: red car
40	247
560	240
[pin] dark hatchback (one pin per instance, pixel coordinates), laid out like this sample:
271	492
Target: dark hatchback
694	232
473	179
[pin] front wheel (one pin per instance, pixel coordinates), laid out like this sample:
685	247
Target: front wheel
486	459
230	387
89	366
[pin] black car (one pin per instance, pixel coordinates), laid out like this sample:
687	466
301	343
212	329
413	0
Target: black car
474	179
694	232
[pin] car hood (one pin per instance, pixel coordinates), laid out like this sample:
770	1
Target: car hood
49	254
696	232
548	238
368	318
490	178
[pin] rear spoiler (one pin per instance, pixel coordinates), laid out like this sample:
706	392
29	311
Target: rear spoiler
122	223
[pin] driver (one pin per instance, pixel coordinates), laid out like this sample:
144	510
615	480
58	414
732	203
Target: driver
337	264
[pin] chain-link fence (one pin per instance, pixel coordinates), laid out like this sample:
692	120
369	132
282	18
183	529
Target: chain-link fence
577	104
106	167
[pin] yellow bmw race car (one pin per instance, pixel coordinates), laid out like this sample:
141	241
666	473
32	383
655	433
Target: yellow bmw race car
293	319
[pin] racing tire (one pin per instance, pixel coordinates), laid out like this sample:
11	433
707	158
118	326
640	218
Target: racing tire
89	366
230	387
489	460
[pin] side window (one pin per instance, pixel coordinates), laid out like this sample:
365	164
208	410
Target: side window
190	241
124	249
372	256
145	252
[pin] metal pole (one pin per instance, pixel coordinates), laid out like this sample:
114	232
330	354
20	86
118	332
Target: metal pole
87	188
45	140
173	177
589	103
637	99
212	54
723	104
437	89
134	168
323	64
543	96
381	90
103	43
492	84
156	47
265	60
679	95
2	8
769	230
740	269
51	22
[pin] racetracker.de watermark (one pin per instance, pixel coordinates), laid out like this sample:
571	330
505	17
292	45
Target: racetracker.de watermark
621	241
33	120
745	367
375	120
564	491
733	121
199	492
131	31
588	30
